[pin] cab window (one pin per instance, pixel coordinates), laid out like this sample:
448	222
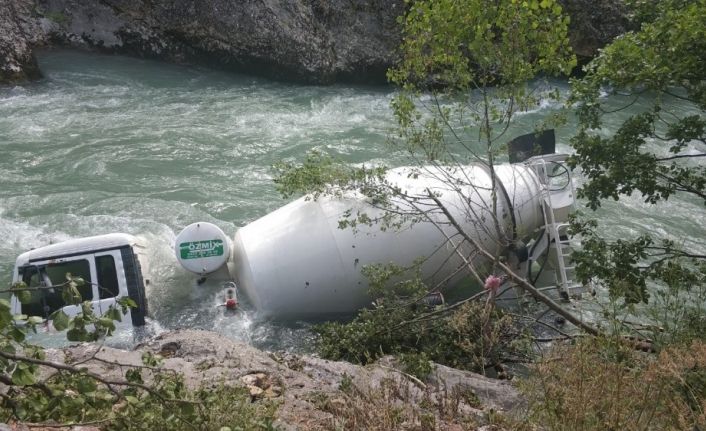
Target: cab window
43	302
107	277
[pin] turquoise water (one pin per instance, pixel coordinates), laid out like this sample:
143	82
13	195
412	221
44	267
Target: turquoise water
113	144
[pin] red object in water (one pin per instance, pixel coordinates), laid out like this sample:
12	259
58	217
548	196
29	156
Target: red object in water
231	304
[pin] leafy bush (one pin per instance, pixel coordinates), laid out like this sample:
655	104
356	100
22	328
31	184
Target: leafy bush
469	336
65	394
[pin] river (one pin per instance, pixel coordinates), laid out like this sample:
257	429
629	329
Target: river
114	144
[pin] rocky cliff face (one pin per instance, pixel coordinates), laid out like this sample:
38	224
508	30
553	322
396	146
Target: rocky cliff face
18	34
594	23
310	41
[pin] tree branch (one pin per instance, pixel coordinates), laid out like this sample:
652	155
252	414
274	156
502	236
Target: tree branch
680	156
74	370
66	425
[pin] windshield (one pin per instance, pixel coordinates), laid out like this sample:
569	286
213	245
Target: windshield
46	300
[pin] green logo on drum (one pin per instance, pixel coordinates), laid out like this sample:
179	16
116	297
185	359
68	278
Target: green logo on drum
199	249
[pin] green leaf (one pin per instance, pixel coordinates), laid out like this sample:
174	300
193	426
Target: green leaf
24	296
16	334
6	317
35	320
107	323
86	308
86	385
23	376
134	375
60	320
8	348
152	360
187	409
113	314
76	334
127	302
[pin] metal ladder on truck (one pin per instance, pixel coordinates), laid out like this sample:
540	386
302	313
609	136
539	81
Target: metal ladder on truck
558	201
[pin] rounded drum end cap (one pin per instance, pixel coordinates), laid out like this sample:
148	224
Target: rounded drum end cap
202	248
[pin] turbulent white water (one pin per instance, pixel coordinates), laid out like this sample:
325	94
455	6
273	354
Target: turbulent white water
112	144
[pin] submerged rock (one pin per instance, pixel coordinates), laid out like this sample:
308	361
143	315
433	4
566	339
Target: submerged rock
313	393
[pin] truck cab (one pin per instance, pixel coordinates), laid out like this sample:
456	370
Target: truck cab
111	266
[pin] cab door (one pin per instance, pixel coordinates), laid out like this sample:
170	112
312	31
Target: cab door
111	283
49	275
104	281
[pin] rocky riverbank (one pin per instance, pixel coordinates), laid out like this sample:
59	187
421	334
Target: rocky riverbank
312	393
308	41
296	40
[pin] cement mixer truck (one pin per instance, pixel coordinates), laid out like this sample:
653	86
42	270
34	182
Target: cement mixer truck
298	262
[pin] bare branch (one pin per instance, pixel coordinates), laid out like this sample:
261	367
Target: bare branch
67	425
680	156
75	370
516	278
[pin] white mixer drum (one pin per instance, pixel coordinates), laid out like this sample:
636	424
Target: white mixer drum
296	261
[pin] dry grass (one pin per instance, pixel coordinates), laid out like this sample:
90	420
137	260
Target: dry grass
396	405
603	385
